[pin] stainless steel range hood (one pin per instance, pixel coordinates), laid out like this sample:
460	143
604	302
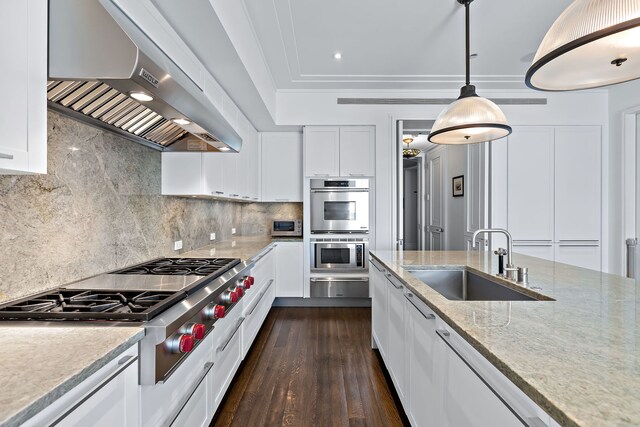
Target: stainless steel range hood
98	57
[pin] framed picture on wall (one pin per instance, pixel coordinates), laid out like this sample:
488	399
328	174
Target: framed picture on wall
458	186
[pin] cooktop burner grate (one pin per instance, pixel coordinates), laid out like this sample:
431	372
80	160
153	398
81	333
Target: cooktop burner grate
182	266
91	305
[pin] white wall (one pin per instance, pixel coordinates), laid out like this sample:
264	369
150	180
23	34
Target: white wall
621	98
456	166
320	108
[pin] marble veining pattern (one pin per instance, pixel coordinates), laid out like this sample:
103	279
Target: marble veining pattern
99	208
38	365
577	357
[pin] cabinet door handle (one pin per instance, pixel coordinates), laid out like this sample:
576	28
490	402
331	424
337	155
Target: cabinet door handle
409	296
6	156
192	390
320	174
228	340
123	364
234	195
282	200
259	298
445	336
246	197
356	174
219	192
389	276
375	264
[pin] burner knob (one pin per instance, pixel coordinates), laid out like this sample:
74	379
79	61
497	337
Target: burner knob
214	311
239	291
248	282
198	330
182	343
251	279
233	296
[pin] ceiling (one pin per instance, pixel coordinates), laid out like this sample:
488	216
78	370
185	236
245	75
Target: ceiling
409	44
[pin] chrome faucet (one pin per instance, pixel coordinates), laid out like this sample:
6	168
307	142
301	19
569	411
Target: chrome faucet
510	271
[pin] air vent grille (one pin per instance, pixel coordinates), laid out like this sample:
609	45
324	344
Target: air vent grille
101	102
435	101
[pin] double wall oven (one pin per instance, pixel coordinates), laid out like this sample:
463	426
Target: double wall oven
339	238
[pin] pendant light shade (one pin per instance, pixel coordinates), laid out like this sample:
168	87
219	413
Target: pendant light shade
470	119
593	43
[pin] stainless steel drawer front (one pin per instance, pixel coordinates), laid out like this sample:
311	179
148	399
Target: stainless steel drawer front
340	288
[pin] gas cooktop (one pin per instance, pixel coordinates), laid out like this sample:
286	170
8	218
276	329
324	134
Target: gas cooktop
136	293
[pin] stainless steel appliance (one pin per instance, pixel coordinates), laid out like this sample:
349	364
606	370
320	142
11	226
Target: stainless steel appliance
339	255
286	228
176	300
339	287
105	70
339	206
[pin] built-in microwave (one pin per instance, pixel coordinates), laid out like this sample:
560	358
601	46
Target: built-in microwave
286	228
339	206
339	256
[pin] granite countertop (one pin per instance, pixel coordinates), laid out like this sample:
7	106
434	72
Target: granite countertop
38	365
243	247
577	357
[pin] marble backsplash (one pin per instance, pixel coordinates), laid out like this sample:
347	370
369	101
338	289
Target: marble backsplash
99	208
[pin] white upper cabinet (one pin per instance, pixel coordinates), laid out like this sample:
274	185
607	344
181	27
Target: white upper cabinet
23	115
281	158
530	183
356	151
346	151
322	151
230	174
213	174
578	183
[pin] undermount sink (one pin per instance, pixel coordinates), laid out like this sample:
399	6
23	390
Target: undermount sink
463	285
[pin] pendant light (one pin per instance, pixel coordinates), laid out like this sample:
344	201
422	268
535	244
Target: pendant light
470	119
407	153
593	43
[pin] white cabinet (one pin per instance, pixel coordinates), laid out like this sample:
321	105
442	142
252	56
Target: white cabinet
530	183
396	337
554	192
281	157
23	115
230	185
110	397
426	361
356	151
198	410
339	151
249	165
212	173
578	184
379	321
289	272
182	174
259	298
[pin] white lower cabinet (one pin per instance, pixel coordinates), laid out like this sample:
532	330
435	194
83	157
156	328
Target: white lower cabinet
198	410
440	378
379	320
544	250
580	254
289	271
110	397
427	357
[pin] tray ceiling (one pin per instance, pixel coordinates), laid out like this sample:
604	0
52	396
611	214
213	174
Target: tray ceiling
406	44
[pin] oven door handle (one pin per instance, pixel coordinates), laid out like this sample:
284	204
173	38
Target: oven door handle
192	390
341	190
343	279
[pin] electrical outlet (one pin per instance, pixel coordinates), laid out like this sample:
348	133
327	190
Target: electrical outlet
212	252
233	231
212	236
233	244
177	245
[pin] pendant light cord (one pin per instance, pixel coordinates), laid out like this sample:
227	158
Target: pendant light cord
468	42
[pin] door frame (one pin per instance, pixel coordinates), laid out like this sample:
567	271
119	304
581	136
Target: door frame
442	151
630	196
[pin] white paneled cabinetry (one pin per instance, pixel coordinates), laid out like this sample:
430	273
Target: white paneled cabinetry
442	380
345	151
553	192
23	115
289	262
281	166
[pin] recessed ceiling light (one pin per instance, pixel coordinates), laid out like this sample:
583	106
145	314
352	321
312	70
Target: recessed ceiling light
180	121
141	96
224	148
337	55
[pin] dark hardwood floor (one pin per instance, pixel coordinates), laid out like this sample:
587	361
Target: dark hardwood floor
311	367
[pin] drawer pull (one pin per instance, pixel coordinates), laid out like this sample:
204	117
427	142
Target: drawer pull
446	337
389	276
231	335
192	390
6	156
427	316
253	308
123	364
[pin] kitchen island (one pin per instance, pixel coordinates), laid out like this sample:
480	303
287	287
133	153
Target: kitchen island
577	357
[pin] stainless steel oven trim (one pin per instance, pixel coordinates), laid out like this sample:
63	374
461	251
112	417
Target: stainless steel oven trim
319	224
352	267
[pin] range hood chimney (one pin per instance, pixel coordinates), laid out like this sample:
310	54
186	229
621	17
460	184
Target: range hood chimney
98	58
